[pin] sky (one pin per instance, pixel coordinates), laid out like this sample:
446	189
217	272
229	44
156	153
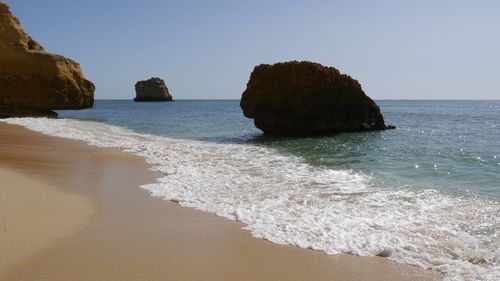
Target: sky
427	49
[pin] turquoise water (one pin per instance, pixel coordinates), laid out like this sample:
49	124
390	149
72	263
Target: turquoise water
453	146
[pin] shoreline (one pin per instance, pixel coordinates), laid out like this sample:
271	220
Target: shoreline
130	235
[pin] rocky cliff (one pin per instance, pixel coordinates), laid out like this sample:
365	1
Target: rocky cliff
32	81
153	89
305	98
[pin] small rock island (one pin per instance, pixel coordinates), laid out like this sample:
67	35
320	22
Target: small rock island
153	89
306	98
32	81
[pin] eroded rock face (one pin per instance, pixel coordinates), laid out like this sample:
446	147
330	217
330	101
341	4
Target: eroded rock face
33	82
305	98
153	89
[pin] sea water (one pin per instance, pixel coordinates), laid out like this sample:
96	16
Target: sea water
426	194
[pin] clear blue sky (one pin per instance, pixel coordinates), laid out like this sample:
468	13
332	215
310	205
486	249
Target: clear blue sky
397	49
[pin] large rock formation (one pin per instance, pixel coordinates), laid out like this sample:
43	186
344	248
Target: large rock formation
305	98
33	82
153	89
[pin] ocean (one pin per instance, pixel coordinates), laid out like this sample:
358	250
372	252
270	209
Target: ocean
426	193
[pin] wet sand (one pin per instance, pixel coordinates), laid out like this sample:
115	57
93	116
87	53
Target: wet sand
102	226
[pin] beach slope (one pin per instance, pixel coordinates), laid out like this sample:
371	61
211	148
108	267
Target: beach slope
93	222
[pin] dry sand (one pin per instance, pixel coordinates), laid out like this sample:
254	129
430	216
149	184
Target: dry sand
74	212
34	215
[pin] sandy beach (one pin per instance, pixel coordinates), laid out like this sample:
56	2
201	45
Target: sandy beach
69	211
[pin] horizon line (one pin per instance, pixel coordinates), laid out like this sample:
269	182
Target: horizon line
221	99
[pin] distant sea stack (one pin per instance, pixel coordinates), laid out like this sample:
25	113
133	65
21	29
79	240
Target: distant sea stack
306	98
153	89
32	81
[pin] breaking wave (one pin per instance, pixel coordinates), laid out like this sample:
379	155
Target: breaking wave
285	200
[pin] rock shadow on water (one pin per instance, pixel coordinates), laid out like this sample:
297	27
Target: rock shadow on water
342	150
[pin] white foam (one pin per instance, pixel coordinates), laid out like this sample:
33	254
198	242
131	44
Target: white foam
287	201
